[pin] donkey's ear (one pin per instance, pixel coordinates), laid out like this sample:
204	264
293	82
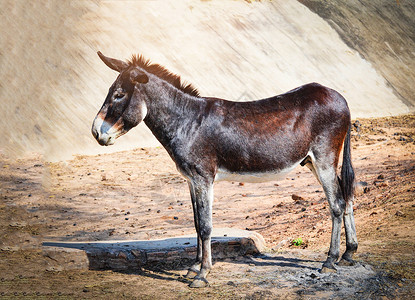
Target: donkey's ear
115	64
137	76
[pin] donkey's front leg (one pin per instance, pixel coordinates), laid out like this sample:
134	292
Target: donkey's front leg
193	271
204	199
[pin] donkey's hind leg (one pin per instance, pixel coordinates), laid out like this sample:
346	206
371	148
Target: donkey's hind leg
351	239
327	176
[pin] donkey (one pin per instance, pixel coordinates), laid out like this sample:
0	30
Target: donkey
213	139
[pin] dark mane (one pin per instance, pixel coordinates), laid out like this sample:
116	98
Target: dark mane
163	73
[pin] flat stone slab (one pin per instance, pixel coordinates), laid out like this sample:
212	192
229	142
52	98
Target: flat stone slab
133	254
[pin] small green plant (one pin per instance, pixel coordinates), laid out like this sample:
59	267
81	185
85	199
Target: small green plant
297	242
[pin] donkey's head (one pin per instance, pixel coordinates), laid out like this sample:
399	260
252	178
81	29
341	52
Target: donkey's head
124	106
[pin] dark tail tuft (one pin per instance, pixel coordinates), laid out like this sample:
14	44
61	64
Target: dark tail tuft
347	172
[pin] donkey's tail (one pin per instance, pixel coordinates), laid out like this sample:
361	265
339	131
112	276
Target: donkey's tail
347	172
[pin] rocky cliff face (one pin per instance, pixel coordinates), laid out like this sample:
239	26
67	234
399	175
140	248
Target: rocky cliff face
383	32
52	83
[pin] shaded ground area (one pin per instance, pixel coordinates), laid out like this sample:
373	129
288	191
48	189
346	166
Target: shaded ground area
139	195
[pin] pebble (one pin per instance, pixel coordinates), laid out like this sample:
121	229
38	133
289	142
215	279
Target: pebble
400	214
296	197
18	224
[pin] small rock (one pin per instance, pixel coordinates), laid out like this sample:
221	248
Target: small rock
360	187
18	224
175	218
241	184
9	248
296	197
400	214
357	126
381	176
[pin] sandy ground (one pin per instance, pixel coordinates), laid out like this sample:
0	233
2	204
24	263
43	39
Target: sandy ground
138	194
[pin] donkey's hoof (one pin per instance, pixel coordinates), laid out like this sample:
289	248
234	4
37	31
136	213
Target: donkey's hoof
346	262
199	283
328	270
191	274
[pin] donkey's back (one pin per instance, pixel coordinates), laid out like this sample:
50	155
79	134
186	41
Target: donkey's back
265	139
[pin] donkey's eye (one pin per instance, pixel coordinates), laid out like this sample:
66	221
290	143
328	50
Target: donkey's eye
118	96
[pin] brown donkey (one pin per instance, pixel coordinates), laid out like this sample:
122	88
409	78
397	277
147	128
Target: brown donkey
213	139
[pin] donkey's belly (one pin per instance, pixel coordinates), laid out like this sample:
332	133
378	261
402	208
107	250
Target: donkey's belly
226	175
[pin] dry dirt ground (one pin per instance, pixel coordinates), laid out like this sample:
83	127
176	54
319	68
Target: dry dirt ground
139	195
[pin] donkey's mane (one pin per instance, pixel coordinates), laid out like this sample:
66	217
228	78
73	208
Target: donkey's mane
161	72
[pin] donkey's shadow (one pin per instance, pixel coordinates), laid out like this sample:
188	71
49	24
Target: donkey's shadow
154	259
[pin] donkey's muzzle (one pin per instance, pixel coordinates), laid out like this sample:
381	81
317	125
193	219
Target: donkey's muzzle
106	140
103	133
103	139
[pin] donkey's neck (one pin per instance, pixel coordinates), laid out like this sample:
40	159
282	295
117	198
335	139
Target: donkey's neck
171	112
